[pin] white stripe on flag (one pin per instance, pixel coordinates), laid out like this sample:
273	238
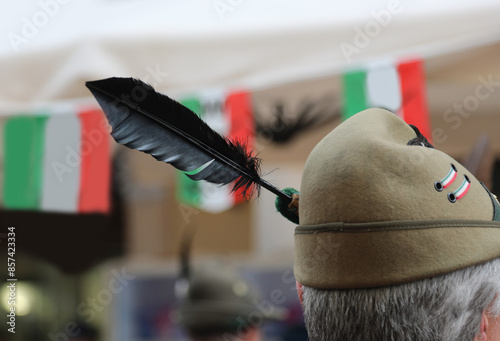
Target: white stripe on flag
213	105
215	198
383	88
61	164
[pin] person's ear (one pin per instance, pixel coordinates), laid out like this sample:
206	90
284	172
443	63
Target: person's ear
300	291
483	330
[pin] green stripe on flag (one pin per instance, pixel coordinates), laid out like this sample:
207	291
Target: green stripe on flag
40	123
188	190
354	93
23	144
192	104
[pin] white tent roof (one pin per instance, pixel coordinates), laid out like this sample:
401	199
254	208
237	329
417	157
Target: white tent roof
50	47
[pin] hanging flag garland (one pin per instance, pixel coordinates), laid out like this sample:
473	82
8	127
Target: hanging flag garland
397	88
58	163
62	163
230	115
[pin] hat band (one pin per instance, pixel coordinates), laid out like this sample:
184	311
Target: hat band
394	225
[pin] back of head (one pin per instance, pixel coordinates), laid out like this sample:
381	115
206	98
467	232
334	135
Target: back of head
397	240
446	307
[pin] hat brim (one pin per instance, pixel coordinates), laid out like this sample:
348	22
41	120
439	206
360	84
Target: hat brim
363	255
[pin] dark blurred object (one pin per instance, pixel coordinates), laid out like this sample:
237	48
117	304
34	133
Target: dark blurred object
84	332
185	251
496	177
481	160
182	283
296	333
285	123
73	243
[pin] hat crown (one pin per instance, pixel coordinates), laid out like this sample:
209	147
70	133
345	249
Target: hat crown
365	171
376	209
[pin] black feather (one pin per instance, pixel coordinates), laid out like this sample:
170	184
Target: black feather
144	119
420	140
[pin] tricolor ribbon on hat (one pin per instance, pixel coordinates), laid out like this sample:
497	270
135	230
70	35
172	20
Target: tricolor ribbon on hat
447	180
461	191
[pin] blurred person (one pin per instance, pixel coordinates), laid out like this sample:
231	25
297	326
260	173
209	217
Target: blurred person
396	240
221	306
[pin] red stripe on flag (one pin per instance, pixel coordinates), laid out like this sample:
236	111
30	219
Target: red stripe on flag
413	96
239	108
95	166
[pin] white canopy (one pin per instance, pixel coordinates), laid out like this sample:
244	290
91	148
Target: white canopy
50	47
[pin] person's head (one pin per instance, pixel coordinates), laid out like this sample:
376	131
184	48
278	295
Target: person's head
397	240
221	305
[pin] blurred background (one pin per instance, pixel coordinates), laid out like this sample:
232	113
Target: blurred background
98	227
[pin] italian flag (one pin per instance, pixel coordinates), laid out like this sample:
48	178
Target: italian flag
58	162
399	88
230	115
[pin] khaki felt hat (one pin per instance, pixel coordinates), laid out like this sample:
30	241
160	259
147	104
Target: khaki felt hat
380	207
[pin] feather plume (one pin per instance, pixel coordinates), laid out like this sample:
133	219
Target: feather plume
146	120
182	283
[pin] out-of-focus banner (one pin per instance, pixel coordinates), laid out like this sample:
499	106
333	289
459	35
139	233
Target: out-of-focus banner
397	87
58	163
229	114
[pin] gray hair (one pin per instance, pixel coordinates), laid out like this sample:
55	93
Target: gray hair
444	308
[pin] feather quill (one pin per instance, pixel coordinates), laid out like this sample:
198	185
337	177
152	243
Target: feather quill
146	120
